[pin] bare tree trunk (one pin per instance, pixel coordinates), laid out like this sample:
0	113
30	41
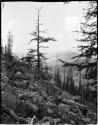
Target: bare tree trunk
38	65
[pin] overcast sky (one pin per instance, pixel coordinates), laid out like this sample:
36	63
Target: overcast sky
60	19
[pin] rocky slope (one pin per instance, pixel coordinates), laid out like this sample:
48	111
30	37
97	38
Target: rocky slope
43	103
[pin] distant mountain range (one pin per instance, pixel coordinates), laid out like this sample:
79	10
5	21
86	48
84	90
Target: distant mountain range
66	56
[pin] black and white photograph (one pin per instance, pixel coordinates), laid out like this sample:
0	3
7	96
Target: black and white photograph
49	62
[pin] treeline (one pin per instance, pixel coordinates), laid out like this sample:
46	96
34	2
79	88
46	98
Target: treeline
68	84
81	88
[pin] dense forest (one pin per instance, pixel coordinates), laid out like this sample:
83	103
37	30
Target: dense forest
33	92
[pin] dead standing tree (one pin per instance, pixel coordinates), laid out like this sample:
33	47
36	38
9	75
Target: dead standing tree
40	39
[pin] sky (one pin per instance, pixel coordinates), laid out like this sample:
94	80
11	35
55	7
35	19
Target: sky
60	19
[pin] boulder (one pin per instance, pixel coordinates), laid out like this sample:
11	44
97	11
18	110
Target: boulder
32	107
57	121
8	99
47	119
32	88
52	81
26	108
64	107
92	116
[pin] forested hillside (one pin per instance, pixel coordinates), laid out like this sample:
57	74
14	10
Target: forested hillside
37	91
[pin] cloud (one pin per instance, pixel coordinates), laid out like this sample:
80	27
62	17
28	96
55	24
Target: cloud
71	23
10	25
59	36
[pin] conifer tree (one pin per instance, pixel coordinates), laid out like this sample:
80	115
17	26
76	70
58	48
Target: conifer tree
40	39
88	42
67	83
64	82
88	47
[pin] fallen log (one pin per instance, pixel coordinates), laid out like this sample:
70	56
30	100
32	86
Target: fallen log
2	89
11	113
82	109
73	102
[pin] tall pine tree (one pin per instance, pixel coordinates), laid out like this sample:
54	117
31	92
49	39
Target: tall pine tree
40	39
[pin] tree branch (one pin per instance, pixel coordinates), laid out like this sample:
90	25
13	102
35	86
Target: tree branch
43	47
